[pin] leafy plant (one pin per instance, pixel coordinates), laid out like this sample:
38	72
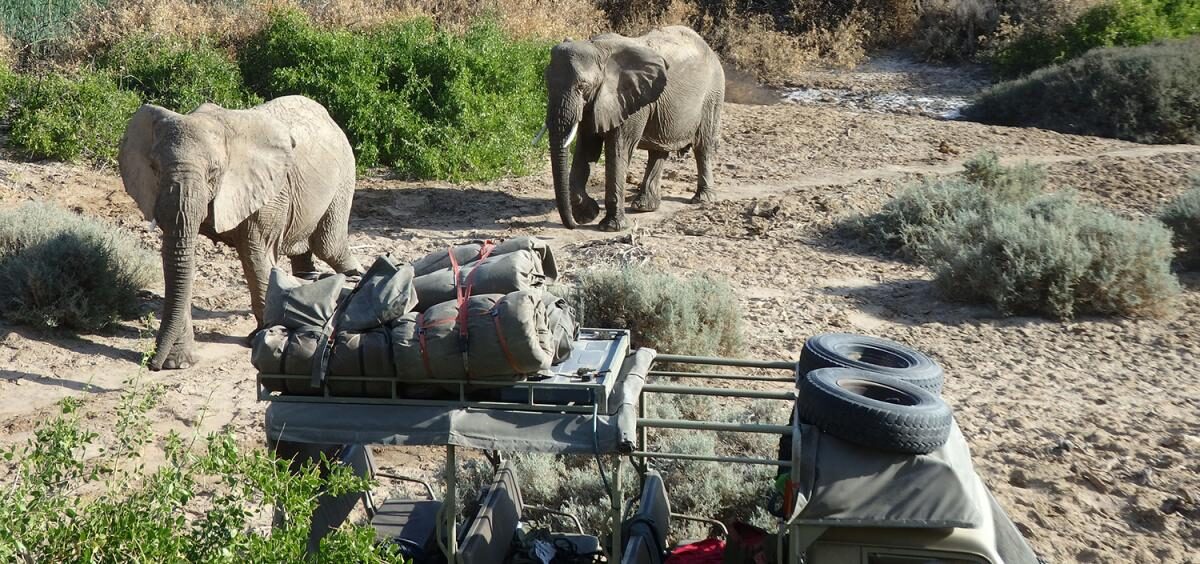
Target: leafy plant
695	315
176	74
1182	216
70	118
427	102
1146	94
1116	23
199	506
59	269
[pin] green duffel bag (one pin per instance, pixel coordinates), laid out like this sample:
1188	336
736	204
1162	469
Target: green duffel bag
470	252
279	350
496	274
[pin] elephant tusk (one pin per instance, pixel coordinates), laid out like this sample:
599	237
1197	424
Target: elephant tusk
571	135
538	138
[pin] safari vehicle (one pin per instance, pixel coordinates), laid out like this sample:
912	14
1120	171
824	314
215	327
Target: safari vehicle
877	472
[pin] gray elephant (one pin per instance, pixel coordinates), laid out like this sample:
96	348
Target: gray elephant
273	180
661	92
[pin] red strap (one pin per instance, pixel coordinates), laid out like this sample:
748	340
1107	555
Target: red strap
512	363
463	293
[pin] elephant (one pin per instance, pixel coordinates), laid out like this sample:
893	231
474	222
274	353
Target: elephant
276	179
661	92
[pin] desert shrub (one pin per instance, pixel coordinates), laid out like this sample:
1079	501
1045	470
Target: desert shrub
907	222
992	236
1182	216
695	315
1120	23
36	24
426	102
177	74
70	118
58	269
1055	257
727	492
1146	94
199	505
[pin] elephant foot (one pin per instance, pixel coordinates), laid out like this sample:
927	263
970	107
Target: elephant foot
644	203
614	223
179	358
587	211
704	195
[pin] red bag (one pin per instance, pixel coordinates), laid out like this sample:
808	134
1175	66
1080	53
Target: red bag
707	551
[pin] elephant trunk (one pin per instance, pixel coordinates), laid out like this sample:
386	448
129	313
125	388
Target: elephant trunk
180	231
563	122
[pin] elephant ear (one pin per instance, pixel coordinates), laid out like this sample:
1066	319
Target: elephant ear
261	154
634	77
133	156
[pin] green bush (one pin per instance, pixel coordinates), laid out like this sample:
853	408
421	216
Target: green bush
695	315
1148	94
993	237
427	102
70	118
200	505
1182	216
58	269
37	23
1119	23
177	74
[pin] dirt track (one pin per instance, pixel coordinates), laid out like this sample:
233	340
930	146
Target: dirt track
1086	431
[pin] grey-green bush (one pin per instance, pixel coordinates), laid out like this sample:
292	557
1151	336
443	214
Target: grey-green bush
908	221
1182	216
1054	257
1148	94
58	269
696	314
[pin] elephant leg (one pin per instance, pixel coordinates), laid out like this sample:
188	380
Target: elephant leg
182	354
330	241
705	150
650	196
586	208
303	266
618	149
256	266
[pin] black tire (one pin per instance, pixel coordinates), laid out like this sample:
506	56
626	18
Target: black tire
841	350
873	410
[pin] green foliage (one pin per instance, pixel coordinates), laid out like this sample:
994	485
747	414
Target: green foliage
177	74
70	118
58	269
200	506
36	23
1148	94
695	315
1118	23
1182	216
427	102
993	237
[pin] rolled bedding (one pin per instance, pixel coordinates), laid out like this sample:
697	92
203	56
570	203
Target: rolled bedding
470	252
496	274
507	337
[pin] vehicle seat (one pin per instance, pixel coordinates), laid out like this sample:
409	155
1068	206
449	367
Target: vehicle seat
645	533
489	534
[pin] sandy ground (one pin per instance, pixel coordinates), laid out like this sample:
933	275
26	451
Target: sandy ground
1086	431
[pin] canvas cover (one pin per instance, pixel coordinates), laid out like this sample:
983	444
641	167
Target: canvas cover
486	429
381	295
840	484
293	303
507	338
515	271
469	252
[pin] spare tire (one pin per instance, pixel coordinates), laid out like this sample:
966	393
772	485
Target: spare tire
873	410
841	350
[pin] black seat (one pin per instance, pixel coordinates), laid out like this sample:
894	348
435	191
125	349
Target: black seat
645	533
409	524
